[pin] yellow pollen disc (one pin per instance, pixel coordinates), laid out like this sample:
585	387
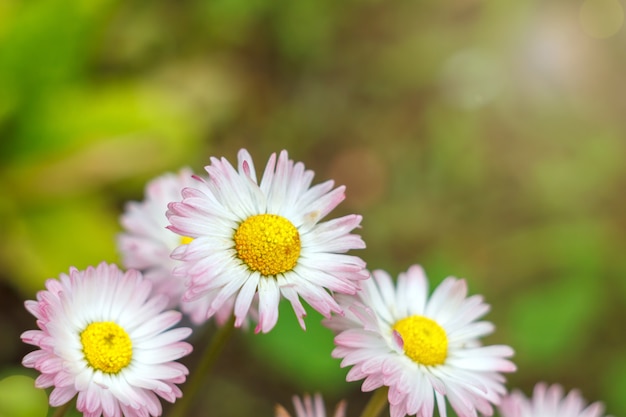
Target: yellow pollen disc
185	240
107	346
425	341
268	243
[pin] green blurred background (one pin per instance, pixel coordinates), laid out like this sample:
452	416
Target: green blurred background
483	139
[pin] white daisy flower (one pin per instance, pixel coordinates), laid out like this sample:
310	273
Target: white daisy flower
424	350
265	238
146	243
549	401
104	338
311	407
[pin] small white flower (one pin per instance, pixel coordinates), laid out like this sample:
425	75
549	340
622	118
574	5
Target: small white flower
424	350
146	243
549	401
104	338
265	238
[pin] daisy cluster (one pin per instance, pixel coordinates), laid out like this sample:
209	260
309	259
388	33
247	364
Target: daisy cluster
228	246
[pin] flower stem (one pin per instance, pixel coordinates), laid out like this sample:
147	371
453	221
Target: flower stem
377	402
207	360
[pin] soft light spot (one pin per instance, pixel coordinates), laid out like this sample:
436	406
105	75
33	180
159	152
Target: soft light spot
107	346
425	341
268	243
601	19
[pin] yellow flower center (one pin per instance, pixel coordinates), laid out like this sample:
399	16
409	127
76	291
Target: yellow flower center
107	346
425	341
268	243
185	240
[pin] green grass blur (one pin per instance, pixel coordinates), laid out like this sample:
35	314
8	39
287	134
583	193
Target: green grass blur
481	139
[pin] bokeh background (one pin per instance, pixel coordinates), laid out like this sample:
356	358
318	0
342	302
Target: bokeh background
483	139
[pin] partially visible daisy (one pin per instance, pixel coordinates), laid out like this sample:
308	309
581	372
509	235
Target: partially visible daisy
311	407
265	238
146	243
424	349
104	338
549	401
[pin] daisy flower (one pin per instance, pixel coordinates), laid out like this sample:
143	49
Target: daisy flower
548	401
265	238
311	407
104	338
146	243
423	349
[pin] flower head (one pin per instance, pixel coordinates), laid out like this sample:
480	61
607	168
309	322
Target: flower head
548	401
104	338
146	243
265	238
424	349
311	407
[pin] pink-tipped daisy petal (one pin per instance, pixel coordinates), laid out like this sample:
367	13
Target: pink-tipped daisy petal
308	406
549	400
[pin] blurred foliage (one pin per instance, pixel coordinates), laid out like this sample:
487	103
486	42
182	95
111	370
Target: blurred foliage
480	138
290	347
20	398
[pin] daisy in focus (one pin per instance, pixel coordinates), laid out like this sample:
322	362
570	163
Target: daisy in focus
311	407
423	349
548	401
104	338
265	238
146	243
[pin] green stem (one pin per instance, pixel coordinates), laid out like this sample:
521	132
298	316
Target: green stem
60	411
207	360
377	402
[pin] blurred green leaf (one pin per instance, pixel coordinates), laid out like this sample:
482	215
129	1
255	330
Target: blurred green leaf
123	115
614	385
20	398
303	357
47	240
305	30
550	323
45	46
231	21
68	30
